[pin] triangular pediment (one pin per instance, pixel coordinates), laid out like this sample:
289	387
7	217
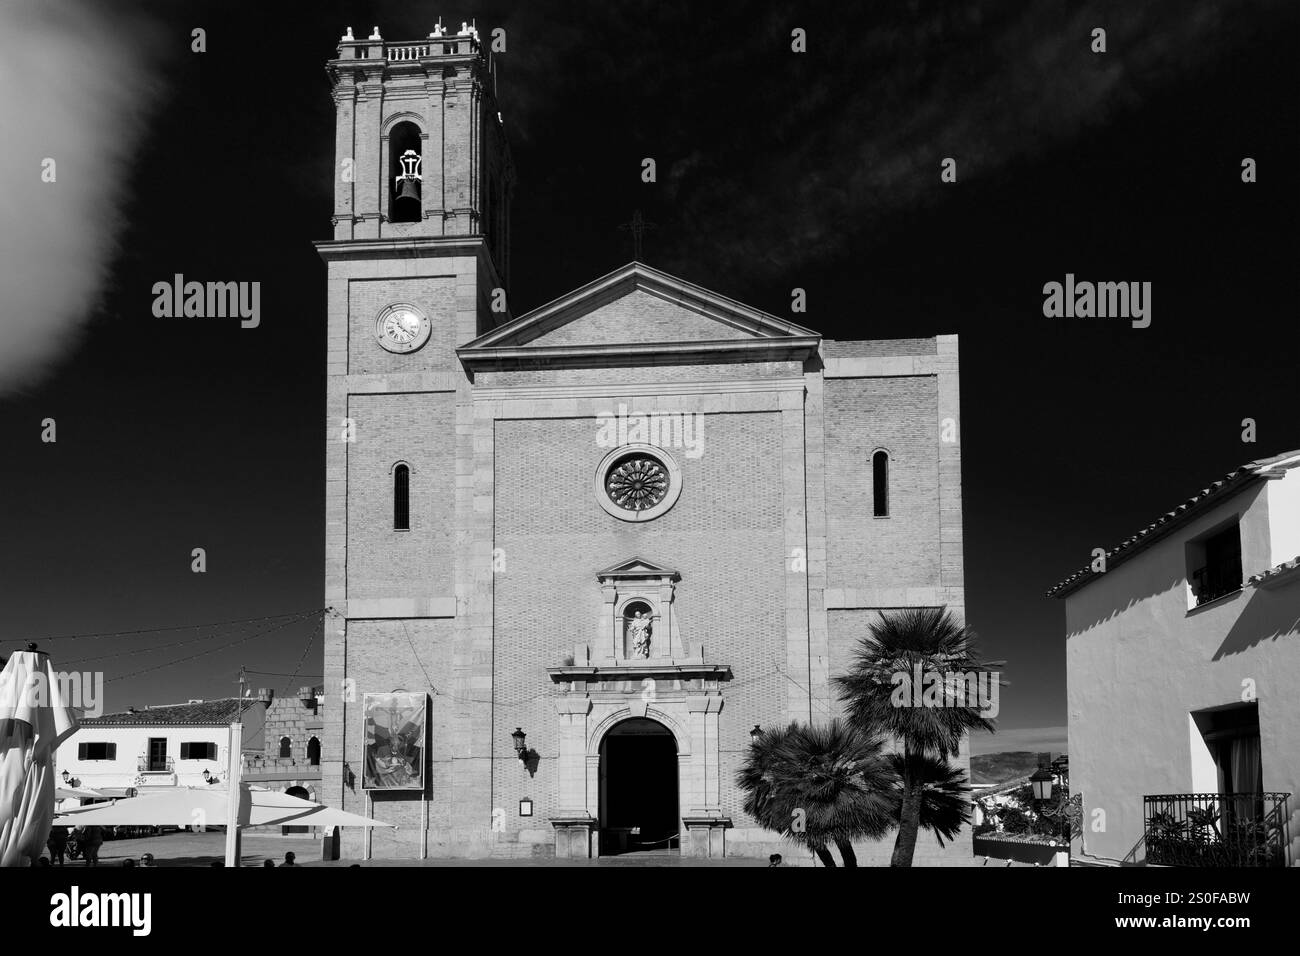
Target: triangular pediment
635	311
636	567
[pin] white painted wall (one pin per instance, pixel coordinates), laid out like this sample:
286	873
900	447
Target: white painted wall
1284	518
133	743
1139	663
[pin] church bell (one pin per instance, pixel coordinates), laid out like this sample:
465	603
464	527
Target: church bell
406	205
406	201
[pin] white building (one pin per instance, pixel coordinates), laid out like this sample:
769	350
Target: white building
1183	659
170	745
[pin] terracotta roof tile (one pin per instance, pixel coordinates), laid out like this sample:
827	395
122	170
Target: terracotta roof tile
1276	574
1233	481
208	713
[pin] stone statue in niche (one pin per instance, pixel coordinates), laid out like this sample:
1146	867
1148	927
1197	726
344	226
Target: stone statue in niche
638	629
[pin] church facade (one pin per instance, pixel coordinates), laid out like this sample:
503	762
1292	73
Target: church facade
579	555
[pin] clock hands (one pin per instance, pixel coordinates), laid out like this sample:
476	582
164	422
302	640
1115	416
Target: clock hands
402	328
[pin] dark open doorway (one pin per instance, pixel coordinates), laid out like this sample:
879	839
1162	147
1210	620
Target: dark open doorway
638	788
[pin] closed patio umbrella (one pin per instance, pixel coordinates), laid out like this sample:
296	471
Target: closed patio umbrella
33	722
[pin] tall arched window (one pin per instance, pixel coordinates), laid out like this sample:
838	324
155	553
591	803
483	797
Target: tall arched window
880	483
402	498
313	752
286	747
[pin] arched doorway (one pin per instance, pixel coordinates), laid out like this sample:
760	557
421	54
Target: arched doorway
302	794
638	788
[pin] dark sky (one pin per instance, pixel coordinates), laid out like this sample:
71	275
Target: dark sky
776	170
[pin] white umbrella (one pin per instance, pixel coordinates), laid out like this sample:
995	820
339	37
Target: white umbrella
197	806
77	793
33	722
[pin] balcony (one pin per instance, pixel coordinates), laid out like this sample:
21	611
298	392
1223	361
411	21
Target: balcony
1216	829
1215	581
146	765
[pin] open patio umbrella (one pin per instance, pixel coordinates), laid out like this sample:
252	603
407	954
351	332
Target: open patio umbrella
34	720
197	806
78	793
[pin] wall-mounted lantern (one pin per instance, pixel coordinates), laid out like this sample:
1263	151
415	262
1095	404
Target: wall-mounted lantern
527	756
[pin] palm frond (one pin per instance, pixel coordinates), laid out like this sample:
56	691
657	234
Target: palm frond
819	784
878	689
944	793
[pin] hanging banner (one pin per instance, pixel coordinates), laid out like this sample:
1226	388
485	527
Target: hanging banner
394	741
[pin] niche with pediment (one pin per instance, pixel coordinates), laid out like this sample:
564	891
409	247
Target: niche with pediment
637	620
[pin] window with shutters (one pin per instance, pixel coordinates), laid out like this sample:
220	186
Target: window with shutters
94	750
198	750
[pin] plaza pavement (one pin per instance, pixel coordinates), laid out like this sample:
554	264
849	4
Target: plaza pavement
200	849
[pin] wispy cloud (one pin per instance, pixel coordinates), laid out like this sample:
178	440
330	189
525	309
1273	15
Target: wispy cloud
78	80
854	130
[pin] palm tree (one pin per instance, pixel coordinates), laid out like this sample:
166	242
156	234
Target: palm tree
942	792
877	691
819	785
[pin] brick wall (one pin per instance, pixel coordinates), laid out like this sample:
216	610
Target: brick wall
381	562
900	415
433	295
413	656
724	536
855	348
650	374
639	317
290	717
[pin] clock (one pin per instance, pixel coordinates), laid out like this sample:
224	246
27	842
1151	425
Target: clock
402	328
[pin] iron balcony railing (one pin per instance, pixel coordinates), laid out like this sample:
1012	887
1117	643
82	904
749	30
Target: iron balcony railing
146	765
1216	829
1215	580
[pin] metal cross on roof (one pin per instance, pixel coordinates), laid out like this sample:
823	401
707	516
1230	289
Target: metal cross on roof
637	226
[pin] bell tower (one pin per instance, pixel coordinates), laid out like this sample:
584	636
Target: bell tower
419	145
417	266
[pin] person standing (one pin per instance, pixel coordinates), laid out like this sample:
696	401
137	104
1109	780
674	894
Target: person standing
92	838
57	844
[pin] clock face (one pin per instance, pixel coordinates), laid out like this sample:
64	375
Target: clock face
402	328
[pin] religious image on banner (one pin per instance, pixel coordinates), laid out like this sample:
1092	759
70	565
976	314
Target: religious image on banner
394	741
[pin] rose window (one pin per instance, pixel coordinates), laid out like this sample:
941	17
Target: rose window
637	482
